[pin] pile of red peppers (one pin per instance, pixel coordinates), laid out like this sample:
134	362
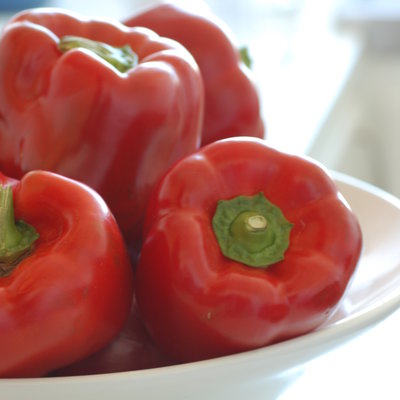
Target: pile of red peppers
144	219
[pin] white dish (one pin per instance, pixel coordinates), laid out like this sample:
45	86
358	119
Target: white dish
263	374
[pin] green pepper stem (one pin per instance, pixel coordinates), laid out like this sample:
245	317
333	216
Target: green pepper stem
245	56
9	234
16	237
251	230
122	58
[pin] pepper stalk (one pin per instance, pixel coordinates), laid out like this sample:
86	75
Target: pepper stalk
16	237
122	58
251	230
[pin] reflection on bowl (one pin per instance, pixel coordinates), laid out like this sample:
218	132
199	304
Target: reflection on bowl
264	373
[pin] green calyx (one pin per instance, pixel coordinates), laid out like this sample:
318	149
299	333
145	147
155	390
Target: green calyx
16	237
251	230
122	58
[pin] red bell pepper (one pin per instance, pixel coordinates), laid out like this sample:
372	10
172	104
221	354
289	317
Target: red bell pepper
244	246
66	283
113	112
232	105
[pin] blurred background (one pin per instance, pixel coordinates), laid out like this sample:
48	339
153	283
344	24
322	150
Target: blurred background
327	72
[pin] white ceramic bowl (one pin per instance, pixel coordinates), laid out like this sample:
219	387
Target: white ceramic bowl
264	373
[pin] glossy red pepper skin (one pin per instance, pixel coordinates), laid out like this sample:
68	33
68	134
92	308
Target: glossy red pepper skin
232	104
132	350
72	294
76	115
199	304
